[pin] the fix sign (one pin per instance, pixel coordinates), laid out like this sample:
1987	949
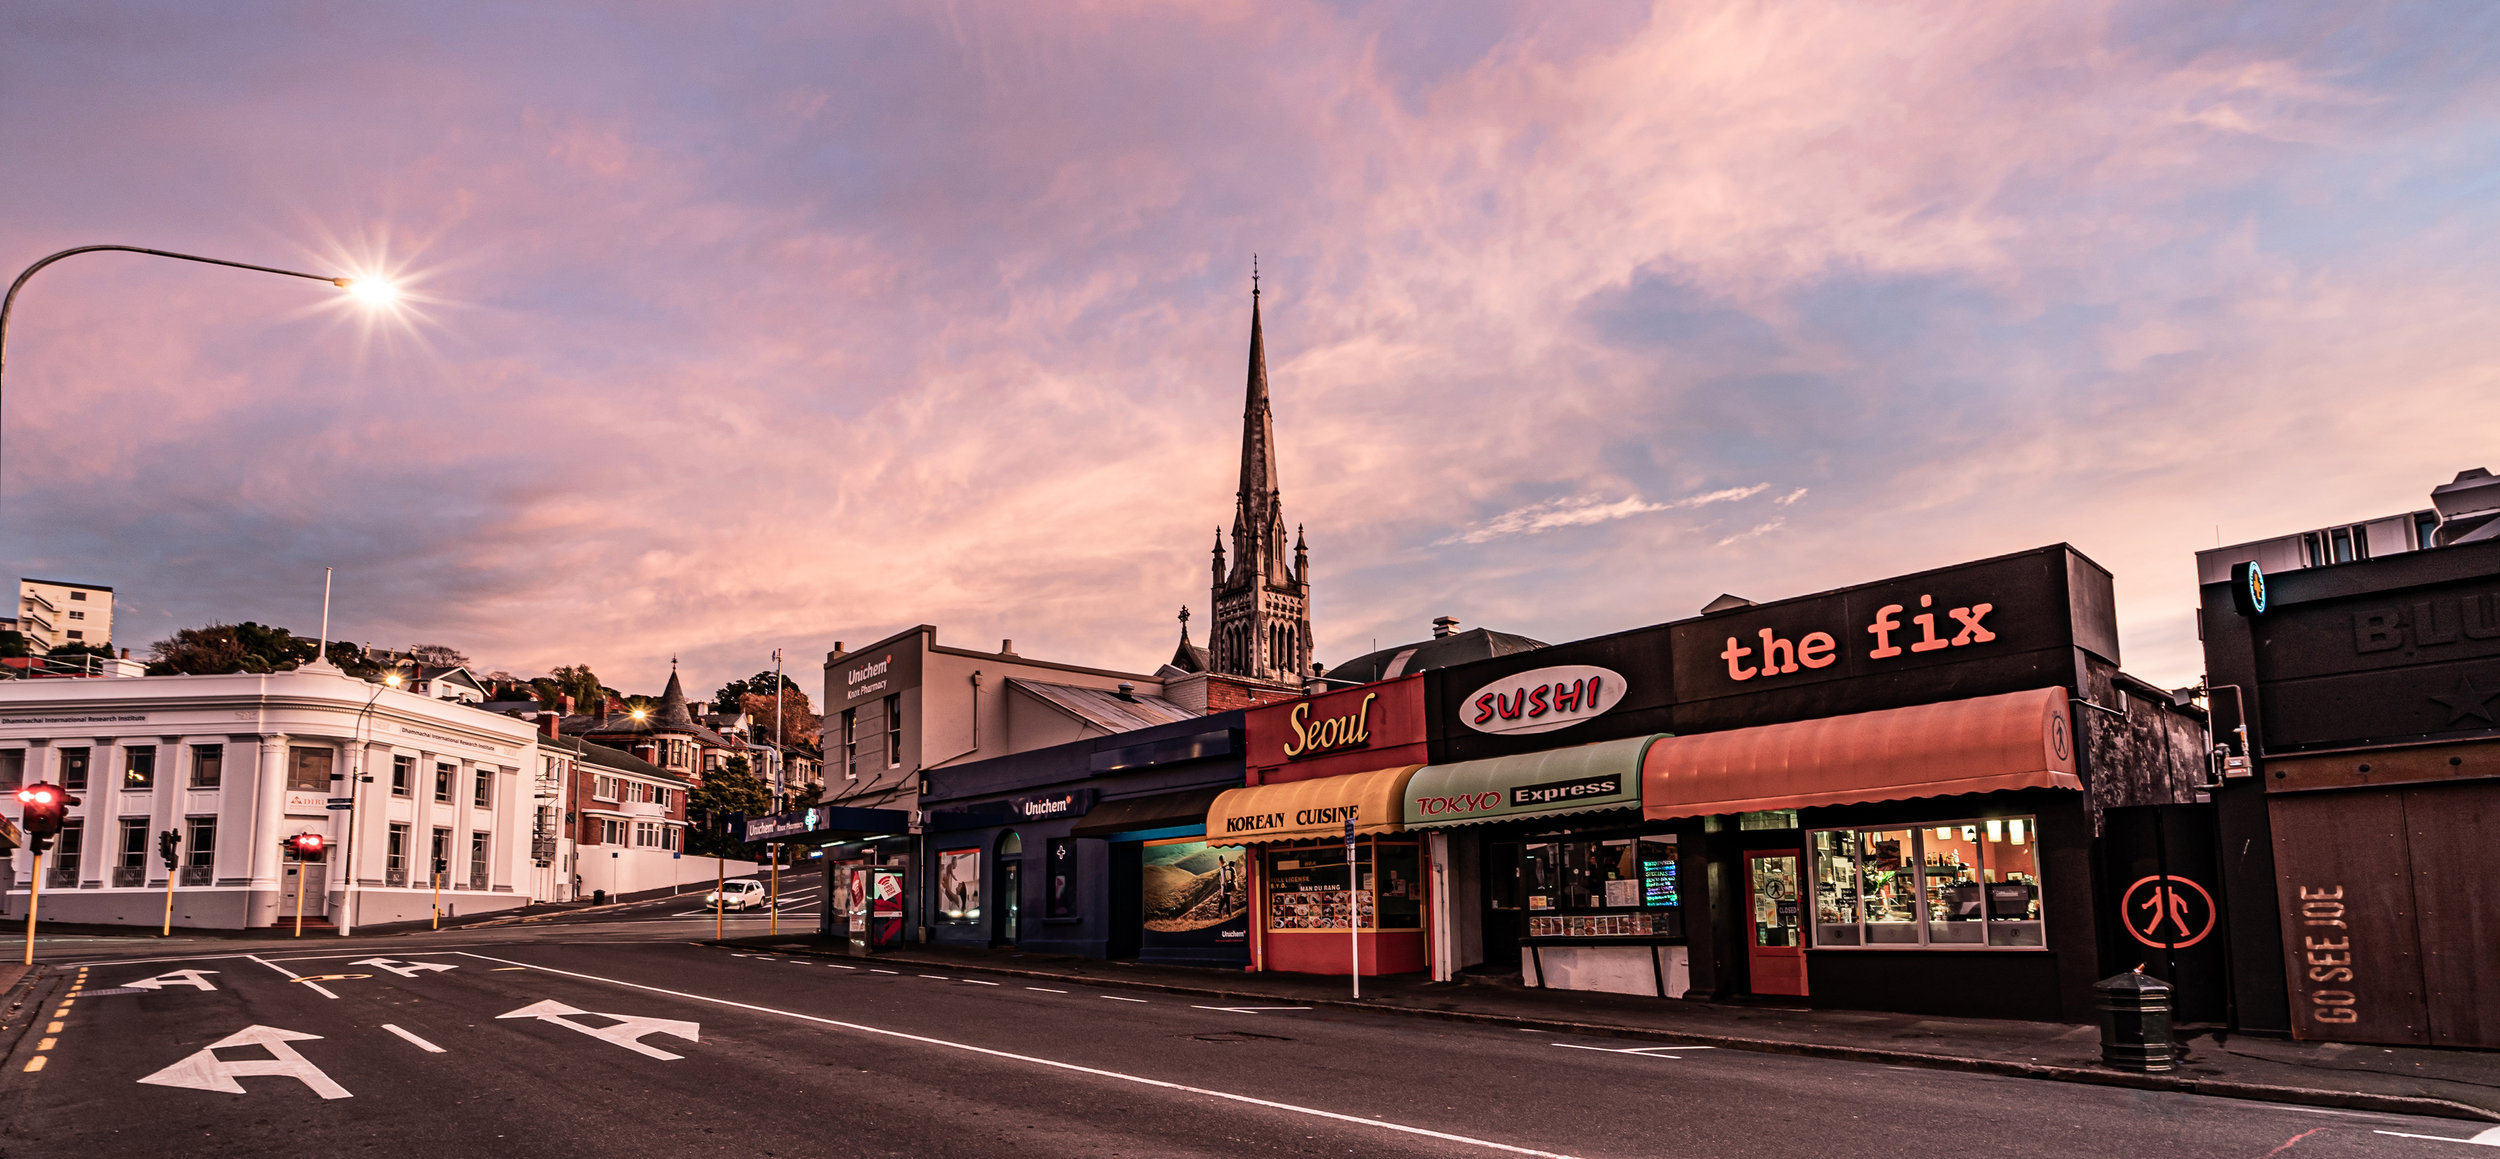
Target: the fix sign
1770	654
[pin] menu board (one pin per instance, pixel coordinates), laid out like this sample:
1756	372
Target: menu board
1658	882
1633	925
1315	909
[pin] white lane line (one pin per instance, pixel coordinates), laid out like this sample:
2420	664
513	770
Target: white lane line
1248	1009
1643	1051
939	977
291	975
2490	1138
1045	989
874	970
420	1043
840	966
1117	998
1141	1080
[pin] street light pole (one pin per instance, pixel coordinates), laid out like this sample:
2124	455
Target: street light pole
369	286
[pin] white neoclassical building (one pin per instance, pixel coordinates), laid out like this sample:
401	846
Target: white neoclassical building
237	764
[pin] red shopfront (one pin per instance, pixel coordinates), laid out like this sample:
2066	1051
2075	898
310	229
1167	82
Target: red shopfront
1313	765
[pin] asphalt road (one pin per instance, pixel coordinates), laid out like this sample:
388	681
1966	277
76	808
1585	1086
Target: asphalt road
625	1038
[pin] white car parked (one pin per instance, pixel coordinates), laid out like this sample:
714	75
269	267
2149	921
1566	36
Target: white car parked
738	895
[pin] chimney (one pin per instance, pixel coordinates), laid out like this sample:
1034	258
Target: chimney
1006	647
549	723
1443	625
1127	691
564	703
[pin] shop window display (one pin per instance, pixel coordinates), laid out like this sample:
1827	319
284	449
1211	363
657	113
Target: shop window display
1306	888
1961	883
1601	887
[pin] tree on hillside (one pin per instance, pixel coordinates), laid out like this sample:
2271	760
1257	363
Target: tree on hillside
14	643
574	680
731	788
727	699
438	655
219	649
798	725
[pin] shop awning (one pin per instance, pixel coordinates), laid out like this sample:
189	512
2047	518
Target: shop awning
1303	810
1579	779
2020	740
1160	811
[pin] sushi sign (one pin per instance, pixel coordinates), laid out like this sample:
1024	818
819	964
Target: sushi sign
1544	699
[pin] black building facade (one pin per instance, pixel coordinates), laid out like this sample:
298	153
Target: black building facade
1888	796
2355	830
1094	848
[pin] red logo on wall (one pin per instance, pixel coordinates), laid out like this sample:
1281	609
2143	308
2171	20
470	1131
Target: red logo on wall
2166	911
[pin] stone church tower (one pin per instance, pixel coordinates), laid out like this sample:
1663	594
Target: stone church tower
1262	603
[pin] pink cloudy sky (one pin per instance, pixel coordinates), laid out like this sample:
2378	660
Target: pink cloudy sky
743	328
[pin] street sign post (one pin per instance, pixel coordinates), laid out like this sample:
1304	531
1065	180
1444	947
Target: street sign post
1354	908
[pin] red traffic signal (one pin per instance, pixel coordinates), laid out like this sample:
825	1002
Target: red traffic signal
43	806
304	847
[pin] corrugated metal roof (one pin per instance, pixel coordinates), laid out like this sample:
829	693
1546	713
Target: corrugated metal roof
1106	708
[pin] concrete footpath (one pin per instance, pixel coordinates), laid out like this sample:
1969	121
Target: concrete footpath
2456	1084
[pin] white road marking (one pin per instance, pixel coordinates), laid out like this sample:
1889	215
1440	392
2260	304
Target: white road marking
2490	1138
840	966
1045	989
627	1032
404	969
978	982
1228	1096
1248	1009
874	970
1117	998
939	977
191	978
421	1044
203	1070
292	976
1643	1051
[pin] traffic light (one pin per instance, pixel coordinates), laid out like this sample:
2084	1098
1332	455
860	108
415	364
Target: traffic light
167	842
43	806
303	847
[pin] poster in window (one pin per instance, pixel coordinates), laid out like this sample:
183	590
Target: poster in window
1060	891
959	884
1194	894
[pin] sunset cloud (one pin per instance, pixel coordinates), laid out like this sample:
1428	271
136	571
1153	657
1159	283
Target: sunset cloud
765	327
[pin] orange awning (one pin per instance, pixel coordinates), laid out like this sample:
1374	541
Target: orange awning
1319	807
2020	740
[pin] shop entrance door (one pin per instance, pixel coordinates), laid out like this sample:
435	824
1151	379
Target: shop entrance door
1010	900
1774	953
313	878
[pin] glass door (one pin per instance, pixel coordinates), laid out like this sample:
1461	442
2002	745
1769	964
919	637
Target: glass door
1775	950
1010	900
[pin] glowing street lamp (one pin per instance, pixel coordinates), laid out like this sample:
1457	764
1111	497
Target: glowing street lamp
372	291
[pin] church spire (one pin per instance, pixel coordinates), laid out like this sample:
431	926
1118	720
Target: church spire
1258	424
1261	603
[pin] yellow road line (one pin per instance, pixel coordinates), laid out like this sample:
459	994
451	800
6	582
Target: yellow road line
46	1044
36	1063
55	1028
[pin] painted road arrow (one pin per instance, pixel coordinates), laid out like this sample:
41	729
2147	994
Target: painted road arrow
403	969
204	1071
627	1032
192	978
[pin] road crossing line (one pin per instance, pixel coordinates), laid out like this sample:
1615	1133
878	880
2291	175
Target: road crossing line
421	1044
292	976
1076	1068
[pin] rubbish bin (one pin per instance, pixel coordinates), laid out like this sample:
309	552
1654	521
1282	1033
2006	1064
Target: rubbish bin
598	897
2135	1022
